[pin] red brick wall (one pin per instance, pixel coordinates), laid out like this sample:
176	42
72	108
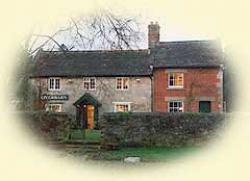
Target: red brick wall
199	84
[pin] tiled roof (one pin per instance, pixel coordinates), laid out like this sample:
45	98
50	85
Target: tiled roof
177	54
93	63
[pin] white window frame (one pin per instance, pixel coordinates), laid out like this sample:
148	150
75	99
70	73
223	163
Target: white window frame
122	103
122	83
176	86
53	104
178	101
54	86
88	80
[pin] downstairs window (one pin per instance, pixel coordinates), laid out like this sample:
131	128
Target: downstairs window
54	107
175	106
122	107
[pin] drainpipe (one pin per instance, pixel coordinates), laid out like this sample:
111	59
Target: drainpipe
152	87
222	70
152	93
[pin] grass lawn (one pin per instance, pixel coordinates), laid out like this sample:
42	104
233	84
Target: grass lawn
92	135
87	135
146	153
150	153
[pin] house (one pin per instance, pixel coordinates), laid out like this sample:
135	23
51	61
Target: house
188	75
167	77
187	81
88	83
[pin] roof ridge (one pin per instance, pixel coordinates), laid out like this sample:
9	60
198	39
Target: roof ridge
189	41
94	51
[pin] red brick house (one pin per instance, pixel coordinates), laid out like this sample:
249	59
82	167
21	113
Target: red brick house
187	75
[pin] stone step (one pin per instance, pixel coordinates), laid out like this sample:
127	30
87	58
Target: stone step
91	142
90	151
72	146
54	142
94	147
110	146
80	142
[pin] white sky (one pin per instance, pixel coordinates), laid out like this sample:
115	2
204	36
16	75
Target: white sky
173	27
169	30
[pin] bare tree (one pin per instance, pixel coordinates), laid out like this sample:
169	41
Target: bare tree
102	30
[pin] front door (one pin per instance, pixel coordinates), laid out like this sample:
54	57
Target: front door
90	116
205	106
87	118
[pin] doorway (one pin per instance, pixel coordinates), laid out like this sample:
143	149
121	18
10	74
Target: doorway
205	106
87	116
90	116
87	112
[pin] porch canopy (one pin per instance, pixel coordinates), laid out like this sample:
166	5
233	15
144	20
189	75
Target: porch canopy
87	99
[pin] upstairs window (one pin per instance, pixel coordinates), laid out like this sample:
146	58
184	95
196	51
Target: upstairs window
54	84
122	83
89	84
175	106
175	80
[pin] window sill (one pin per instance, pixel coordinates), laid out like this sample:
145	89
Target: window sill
122	89
89	89
175	88
54	90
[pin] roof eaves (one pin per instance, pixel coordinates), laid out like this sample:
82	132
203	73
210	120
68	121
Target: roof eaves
194	66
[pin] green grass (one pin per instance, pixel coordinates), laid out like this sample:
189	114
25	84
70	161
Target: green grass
150	153
76	134
92	135
89	135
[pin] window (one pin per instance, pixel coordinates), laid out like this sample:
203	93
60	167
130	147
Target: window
89	84
122	107
54	107
54	84
122	83
175	106
175	80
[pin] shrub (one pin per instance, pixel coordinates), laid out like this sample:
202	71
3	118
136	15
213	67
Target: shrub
160	129
47	125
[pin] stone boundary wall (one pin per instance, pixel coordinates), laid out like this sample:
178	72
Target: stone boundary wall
160	129
47	125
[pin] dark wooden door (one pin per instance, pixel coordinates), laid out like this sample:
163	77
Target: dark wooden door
86	116
83	116
205	106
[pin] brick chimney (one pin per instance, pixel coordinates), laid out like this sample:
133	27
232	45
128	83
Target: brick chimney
153	34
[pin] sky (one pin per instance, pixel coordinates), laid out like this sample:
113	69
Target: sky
173	26
169	30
